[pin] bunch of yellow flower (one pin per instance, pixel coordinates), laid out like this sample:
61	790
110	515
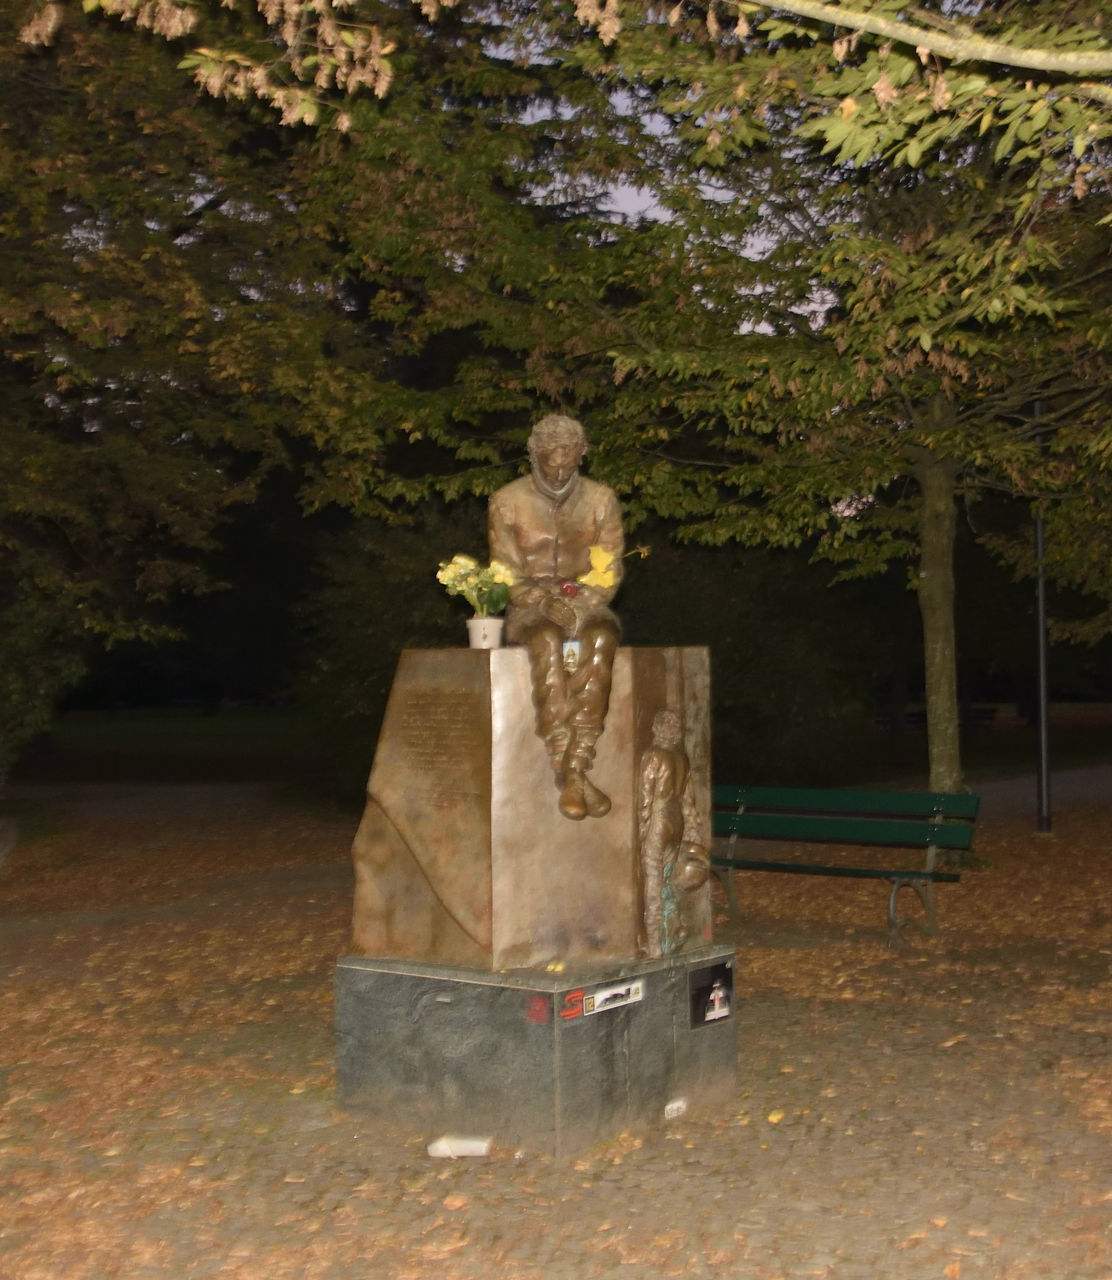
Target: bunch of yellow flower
485	588
601	573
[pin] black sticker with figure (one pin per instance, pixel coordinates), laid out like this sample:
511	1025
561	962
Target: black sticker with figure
712	993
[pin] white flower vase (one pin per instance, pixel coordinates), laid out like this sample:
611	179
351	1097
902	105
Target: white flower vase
485	633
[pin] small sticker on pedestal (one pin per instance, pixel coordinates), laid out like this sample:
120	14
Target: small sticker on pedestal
712	994
614	997
538	1010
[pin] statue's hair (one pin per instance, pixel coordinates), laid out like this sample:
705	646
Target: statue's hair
556	429
667	727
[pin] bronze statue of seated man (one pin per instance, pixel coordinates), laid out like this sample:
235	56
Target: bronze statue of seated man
561	534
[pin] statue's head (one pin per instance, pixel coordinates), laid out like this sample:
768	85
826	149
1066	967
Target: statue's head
667	728
557	444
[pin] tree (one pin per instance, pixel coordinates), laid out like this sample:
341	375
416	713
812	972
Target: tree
769	393
194	296
872	78
883	80
957	40
151	284
466	213
867	360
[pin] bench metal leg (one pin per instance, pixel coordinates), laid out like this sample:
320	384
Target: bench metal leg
726	878
925	890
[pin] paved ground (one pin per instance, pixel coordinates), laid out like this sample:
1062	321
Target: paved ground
167	1108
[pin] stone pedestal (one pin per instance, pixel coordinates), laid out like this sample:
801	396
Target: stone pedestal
463	856
554	1062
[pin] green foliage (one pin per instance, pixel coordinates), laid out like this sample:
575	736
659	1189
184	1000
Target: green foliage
802	364
862	248
151	286
377	594
871	334
463	212
876	81
193	297
38	662
795	661
171	746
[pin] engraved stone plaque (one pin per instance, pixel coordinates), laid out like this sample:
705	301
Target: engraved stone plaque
422	852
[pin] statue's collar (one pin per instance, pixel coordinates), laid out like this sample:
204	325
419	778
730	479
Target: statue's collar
556	495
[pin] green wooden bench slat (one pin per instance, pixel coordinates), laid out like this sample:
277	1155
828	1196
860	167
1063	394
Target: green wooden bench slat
847	830
855	873
846	800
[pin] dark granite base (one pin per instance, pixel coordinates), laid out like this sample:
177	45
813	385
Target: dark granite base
550	1061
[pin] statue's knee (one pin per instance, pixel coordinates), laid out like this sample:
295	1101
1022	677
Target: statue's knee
601	642
545	644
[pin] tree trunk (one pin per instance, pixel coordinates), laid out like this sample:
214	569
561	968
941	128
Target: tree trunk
937	479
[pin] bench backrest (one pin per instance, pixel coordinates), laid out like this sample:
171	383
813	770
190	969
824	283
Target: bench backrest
904	804
911	819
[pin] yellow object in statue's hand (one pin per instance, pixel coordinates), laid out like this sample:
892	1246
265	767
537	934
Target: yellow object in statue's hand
602	569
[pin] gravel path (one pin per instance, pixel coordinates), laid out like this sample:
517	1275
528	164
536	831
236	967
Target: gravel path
929	1117
1070	789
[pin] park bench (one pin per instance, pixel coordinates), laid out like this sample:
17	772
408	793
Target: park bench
931	821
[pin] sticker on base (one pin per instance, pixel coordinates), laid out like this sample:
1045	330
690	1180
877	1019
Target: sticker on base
613	997
711	990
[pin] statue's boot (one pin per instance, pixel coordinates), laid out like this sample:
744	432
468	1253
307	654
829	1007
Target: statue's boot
580	798
597	802
573	797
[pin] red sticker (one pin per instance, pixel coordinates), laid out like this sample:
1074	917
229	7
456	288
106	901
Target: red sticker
573	1005
536	1009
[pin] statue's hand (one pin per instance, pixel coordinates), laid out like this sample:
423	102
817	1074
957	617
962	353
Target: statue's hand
560	612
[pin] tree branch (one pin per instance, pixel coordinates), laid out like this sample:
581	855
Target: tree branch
959	48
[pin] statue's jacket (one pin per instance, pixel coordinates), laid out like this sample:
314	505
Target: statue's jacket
546	543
